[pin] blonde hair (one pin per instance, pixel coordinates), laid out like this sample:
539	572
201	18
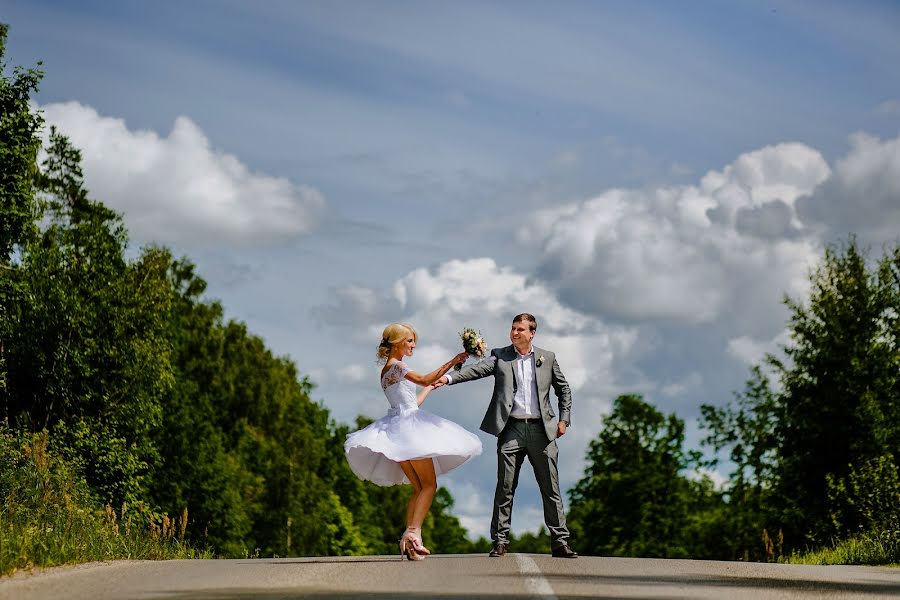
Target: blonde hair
393	334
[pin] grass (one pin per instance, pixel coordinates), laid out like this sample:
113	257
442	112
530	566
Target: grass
48	517
877	548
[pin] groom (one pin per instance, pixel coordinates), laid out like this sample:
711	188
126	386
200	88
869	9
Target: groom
521	417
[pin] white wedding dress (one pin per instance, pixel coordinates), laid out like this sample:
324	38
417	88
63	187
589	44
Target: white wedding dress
406	433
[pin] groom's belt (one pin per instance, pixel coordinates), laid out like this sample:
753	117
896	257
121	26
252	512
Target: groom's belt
526	419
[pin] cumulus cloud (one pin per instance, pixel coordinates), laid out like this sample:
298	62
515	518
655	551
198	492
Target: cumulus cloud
479	293
863	196
355	373
751	351
687	254
355	307
178	188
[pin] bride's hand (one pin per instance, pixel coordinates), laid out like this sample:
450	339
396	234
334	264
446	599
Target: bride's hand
460	358
426	389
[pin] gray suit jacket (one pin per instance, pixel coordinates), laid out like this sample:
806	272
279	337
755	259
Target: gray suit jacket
500	365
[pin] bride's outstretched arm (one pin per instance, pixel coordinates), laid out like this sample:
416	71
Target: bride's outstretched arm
424	394
432	377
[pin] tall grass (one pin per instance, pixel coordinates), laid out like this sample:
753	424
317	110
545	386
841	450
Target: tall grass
48	516
876	548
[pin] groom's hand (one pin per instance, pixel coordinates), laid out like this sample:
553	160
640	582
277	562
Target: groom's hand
560	429
441	382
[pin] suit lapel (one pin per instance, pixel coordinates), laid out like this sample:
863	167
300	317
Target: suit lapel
540	372
511	362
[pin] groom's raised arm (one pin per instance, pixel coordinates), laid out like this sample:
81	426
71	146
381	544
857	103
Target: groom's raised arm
482	368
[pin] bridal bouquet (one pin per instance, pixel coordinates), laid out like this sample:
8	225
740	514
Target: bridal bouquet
473	344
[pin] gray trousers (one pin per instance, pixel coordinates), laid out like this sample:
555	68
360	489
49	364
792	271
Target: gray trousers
518	440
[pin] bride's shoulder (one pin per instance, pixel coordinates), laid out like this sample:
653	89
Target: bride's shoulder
393	372
396	365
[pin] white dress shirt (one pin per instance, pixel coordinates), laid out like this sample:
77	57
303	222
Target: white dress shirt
525	402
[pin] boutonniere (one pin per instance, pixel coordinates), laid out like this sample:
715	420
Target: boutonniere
539	361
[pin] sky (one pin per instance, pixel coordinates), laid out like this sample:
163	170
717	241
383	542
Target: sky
650	179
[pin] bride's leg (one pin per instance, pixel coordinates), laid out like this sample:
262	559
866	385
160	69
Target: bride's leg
407	540
428	481
424	469
417	487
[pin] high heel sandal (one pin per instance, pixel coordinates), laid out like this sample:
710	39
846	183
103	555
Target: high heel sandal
416	538
407	547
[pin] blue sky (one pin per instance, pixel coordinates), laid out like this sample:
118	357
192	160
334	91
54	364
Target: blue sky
649	178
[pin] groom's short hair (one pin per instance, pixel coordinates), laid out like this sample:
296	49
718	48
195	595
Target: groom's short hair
532	322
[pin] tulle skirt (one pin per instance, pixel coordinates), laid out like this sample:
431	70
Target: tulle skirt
375	451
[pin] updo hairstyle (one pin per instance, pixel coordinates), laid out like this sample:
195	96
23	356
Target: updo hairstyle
393	334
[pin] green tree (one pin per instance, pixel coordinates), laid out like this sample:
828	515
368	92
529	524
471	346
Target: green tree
747	429
19	144
799	450
532	543
241	443
840	402
633	499
86	353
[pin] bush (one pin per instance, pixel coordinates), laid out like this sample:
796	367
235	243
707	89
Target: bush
49	516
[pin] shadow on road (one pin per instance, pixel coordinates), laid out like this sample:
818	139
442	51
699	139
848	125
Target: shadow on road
298	593
695	583
698	581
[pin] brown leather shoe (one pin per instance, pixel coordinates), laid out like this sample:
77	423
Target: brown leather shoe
564	552
499	550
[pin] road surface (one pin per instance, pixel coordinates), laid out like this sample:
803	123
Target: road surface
450	576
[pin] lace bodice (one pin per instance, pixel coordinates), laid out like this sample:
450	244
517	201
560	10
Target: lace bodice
400	392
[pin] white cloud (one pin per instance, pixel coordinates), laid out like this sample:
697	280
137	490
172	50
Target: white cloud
863	197
687	254
479	293
355	373
751	351
428	356
480	286
178	188
747	350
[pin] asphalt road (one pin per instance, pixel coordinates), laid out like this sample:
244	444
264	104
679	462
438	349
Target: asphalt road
450	576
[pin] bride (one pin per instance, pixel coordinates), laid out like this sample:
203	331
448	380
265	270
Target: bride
409	445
